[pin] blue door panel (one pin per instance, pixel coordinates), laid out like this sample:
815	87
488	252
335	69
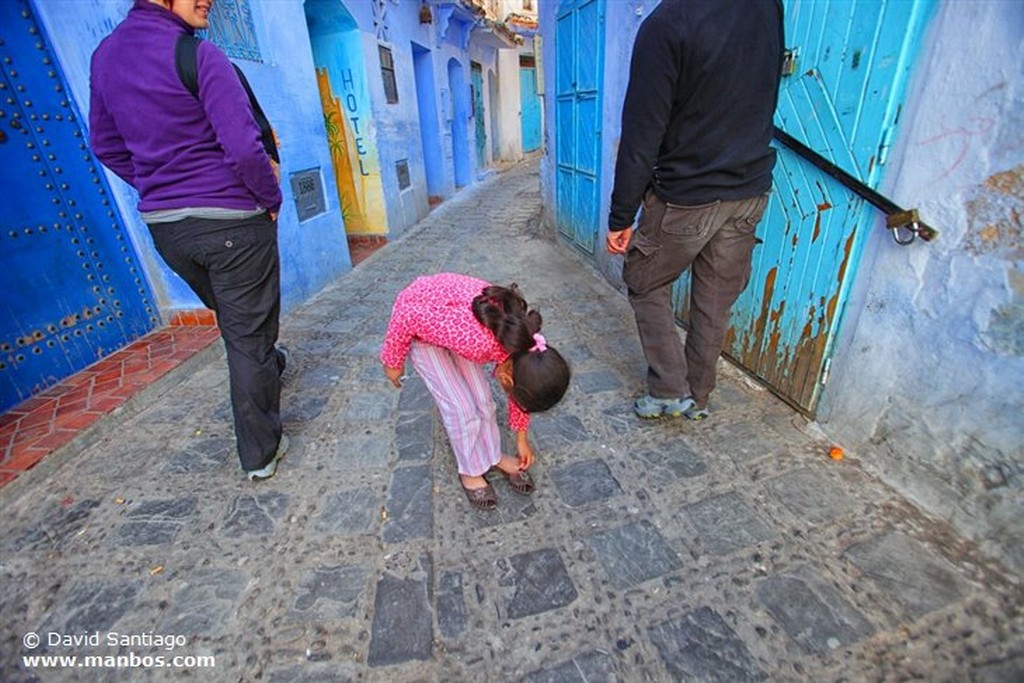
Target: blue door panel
565	207
587	121
806	109
588	32
565	31
565	110
587	201
74	291
563	214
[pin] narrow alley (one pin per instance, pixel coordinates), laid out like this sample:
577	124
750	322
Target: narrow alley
733	549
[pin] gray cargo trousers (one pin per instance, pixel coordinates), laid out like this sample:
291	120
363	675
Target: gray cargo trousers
715	241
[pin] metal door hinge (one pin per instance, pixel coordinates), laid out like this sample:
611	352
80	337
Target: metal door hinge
825	370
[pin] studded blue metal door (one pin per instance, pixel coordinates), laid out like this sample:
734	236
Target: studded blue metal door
578	75
843	100
73	290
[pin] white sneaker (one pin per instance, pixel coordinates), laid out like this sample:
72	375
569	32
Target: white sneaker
285	355
270	469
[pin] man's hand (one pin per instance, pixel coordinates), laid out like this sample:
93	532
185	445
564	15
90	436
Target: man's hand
617	242
395	375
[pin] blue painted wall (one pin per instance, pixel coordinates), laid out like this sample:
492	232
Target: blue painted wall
312	253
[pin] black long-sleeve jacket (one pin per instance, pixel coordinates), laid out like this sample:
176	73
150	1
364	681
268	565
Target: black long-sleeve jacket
697	117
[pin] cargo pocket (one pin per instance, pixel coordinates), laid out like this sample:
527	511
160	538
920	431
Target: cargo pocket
689	221
641	264
748	220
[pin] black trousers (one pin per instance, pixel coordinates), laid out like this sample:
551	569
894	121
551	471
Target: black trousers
234	268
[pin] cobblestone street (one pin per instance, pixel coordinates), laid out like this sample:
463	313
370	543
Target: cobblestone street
733	549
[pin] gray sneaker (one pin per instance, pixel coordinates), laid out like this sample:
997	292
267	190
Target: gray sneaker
696	414
270	469
650	407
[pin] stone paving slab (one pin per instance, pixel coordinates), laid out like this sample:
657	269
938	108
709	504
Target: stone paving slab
732	549
898	563
402	623
701	646
812	611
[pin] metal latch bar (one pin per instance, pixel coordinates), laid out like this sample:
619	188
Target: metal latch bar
902	222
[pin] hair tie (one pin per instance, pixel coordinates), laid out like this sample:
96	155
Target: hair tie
539	343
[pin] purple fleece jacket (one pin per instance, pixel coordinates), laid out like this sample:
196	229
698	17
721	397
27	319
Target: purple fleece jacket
177	151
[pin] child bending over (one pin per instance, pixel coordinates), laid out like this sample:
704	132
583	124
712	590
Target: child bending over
451	325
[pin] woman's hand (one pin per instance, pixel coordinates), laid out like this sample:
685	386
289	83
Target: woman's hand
395	375
526	455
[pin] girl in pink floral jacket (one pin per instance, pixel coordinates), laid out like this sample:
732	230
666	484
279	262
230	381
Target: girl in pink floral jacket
451	325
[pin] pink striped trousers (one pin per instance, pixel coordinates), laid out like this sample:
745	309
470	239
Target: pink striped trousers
466	404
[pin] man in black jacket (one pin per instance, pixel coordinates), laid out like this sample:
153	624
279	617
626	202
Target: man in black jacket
696	128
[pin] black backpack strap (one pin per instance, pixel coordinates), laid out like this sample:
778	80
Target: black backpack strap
186	63
266	130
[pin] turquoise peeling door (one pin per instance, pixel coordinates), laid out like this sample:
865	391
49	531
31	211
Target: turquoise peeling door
529	104
73	289
578	54
843	101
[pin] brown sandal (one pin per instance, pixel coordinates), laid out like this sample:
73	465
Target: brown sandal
521	482
482	498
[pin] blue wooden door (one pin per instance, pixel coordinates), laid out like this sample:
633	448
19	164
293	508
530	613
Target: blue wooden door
843	101
578	73
530	107
478	115
73	290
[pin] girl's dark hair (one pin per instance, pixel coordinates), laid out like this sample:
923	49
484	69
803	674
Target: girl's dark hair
540	377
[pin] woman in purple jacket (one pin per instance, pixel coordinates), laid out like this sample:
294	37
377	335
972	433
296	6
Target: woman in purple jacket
208	192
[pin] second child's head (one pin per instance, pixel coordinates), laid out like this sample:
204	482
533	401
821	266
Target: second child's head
539	374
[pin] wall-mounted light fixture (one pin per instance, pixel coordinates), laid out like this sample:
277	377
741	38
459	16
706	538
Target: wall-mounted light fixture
426	16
